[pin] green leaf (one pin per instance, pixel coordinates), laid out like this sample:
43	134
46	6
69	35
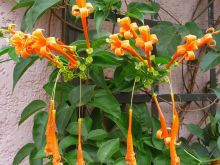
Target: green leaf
162	160
30	109
86	127
106	102
21	67
186	158
195	130
141	113
217	39
12	54
158	143
98	134
217	115
32	159
120	161
218	143
86	95
62	89
40	154
162	60
39	7
143	7
23	3
22	153
106	59
210	61
194	29
168	38
38	131
97	75
64	115
217	92
144	157
200	151
107	150
136	13
99	17
67	142
71	157
4	50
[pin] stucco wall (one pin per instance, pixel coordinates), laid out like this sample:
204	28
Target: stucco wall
29	87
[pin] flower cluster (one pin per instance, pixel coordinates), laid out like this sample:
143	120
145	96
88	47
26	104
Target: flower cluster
186	51
36	43
144	40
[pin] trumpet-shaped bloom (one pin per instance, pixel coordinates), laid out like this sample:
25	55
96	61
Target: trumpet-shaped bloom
146	41
130	155
207	39
186	50
83	10
127	29
175	160
27	44
119	47
80	160
22	43
162	133
51	147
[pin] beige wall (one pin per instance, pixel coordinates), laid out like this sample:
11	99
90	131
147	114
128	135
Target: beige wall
29	87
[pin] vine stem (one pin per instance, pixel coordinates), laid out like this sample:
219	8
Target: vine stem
55	85
80	96
132	94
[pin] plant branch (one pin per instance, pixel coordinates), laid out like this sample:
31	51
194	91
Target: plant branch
67	23
171	15
203	10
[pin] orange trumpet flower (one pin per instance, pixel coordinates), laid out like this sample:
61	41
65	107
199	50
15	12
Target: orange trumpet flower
22	43
43	46
162	133
130	155
80	160
186	50
146	42
207	39
51	147
128	29
121	46
83	9
175	160
37	43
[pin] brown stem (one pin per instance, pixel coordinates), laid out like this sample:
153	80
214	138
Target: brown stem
67	23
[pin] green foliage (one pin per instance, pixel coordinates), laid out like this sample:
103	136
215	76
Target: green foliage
30	109
210	61
35	11
138	10
22	153
21	67
4	50
23	3
107	149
